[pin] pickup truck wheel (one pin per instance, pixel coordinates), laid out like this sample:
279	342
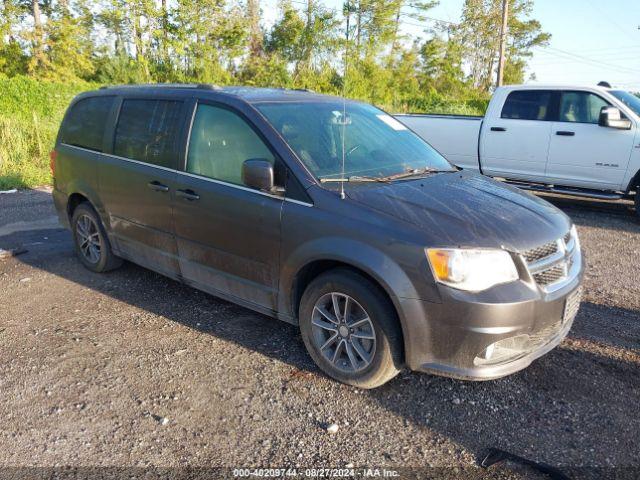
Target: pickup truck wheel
350	330
637	202
91	242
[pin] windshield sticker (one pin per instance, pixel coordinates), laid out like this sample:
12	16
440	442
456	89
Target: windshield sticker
392	122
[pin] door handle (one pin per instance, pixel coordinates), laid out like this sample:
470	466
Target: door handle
188	195
565	133
157	186
498	129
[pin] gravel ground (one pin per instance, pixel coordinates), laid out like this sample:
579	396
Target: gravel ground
130	369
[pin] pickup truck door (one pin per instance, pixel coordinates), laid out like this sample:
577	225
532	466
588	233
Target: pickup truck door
514	143
582	153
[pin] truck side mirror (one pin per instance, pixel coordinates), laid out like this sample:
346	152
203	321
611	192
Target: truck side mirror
611	117
258	173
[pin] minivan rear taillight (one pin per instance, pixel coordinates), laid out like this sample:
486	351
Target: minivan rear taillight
53	155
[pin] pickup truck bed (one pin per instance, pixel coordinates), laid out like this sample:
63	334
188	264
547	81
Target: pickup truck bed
458	143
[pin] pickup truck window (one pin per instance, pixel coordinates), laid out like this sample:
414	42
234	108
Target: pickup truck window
629	99
220	143
375	144
527	105
580	107
148	130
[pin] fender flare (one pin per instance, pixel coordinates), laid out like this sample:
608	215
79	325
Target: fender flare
634	182
81	187
382	269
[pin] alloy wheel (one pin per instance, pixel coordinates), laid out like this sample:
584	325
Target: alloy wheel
88	238
343	332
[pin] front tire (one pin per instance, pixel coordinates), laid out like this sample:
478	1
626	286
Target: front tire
91	241
351	329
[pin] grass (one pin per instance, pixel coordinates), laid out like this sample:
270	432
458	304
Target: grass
24	148
30	114
31	111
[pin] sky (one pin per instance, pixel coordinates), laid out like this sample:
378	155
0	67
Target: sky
591	40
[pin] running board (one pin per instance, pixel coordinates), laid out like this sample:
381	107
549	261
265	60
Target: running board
600	195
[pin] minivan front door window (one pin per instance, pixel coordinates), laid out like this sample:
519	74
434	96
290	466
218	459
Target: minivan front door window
375	144
221	141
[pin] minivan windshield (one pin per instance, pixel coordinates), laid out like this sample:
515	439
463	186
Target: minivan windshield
629	99
376	145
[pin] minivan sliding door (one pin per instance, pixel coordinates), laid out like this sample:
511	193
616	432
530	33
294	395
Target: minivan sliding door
137	182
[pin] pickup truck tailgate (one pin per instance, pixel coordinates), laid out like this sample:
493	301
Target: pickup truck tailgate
455	137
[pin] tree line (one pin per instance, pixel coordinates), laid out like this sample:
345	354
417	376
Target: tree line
225	42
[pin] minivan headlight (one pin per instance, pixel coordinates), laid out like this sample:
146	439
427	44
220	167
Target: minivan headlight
470	269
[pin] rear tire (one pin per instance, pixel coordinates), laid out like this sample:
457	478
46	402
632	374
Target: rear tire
637	203
91	241
351	329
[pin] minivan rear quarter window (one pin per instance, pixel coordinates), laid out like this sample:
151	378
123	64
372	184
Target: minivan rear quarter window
86	121
527	105
148	130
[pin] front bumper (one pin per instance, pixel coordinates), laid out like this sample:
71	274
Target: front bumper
450	338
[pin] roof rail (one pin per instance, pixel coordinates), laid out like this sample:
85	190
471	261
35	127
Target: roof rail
300	90
204	86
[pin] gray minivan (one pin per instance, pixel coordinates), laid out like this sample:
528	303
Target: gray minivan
325	213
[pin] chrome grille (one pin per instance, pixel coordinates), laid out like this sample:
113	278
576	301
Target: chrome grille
572	306
550	275
543	336
550	263
540	252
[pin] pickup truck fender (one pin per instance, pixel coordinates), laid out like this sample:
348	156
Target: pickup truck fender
632	177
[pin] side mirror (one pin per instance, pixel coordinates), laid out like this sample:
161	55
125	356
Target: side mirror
612	118
258	173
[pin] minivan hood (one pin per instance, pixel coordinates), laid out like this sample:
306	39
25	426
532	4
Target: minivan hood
463	209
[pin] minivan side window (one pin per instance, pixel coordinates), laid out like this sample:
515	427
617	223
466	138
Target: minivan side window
148	131
581	107
220	143
86	121
527	105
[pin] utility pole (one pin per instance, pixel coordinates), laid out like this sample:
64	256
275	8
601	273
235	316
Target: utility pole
255	34
503	40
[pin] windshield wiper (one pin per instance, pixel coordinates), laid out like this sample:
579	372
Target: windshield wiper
413	172
409	173
355	179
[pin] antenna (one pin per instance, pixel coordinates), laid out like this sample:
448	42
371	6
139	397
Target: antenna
344	99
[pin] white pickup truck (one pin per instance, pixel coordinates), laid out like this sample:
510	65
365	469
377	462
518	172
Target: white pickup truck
573	140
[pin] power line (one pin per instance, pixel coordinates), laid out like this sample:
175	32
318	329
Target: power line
552	59
604	49
611	20
575	57
424	18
